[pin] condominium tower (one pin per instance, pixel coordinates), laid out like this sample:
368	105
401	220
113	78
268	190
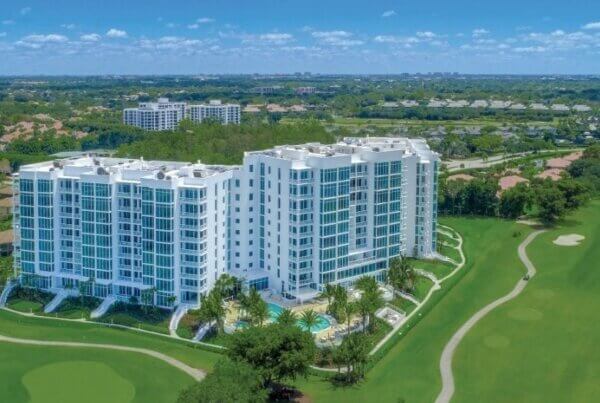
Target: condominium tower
290	219
165	115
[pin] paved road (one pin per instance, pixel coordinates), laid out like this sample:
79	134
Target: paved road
446	360
193	372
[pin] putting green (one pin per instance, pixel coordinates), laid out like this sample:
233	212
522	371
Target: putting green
67	382
42	374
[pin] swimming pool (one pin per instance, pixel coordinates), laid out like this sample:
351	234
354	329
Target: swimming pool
322	322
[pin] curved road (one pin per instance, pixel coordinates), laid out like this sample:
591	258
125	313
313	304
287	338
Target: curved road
193	372
446	360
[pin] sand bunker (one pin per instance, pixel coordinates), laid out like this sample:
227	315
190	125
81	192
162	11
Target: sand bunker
569	240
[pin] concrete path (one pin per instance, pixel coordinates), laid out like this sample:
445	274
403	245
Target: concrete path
6	292
193	372
446	360
176	318
103	307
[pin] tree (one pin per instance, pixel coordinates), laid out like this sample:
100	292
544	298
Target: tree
551	203
349	309
287	317
212	309
276	352
329	293
575	193
257	308
230	381
225	285
353	354
309	319
340	299
514	201
370	301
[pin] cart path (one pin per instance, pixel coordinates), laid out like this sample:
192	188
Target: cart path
195	373
446	360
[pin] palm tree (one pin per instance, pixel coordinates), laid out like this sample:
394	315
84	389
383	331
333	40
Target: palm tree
349	309
363	307
329	293
309	319
225	285
259	312
340	299
212	309
287	317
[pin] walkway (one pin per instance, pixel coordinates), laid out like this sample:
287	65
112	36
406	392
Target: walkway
10	285
446	359
193	372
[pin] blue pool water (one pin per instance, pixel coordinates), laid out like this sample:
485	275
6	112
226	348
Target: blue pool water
274	312
322	322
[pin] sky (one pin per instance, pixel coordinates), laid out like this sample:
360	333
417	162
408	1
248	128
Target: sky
80	37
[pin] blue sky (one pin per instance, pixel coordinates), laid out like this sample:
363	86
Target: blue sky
269	36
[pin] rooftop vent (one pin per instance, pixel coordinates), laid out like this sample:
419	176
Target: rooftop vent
160	175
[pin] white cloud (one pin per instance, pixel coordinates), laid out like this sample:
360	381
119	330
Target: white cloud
388	13
171	25
193	26
55	38
67	26
592	25
2	34
205	20
336	38
396	39
478	32
90	37
426	34
25	10
277	38
7	22
530	49
116	33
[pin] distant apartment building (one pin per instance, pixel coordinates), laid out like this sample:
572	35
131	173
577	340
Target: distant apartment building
289	219
305	90
214	110
160	115
275	89
165	115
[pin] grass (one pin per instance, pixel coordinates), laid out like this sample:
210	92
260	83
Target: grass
28	300
35	374
422	287
152	319
544	343
450	252
403	304
72	308
188	326
438	268
409	369
14	325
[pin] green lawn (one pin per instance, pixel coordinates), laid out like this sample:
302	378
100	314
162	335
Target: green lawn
438	268
544	344
34	374
49	329
409	370
403	304
154	320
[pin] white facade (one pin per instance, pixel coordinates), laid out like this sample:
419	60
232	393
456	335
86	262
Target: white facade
290	219
165	115
214	110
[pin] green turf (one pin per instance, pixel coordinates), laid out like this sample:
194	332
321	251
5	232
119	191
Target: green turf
409	370
544	344
34	374
403	304
49	329
438	268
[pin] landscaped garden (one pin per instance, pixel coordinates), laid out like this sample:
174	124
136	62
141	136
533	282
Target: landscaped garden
138	316
28	300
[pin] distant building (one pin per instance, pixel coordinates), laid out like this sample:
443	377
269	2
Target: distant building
538	107
409	103
480	103
224	113
560	108
266	90
165	115
161	115
517	106
305	90
581	108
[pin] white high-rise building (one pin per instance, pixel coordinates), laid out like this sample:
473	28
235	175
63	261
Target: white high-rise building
290	219
165	115
161	115
215	110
